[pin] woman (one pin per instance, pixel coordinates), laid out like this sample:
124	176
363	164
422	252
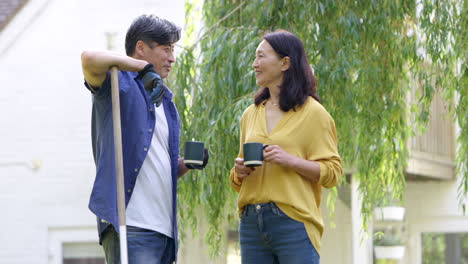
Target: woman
279	202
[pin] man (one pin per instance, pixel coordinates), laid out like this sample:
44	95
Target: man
150	140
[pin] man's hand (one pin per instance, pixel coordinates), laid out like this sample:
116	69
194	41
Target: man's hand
206	157
149	77
152	83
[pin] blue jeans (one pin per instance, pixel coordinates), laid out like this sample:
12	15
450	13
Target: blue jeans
268	235
144	246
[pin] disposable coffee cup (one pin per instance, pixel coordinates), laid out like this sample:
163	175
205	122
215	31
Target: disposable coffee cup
253	154
193	152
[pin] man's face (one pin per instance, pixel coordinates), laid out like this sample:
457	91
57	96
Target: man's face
161	56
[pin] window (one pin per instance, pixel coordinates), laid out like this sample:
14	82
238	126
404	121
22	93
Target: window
82	253
233	252
444	248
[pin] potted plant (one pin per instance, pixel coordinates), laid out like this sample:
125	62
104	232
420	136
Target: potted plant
389	213
389	209
388	246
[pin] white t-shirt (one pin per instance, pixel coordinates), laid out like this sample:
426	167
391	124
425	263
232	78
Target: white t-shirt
150	205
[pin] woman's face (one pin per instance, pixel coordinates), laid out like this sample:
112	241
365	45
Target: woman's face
268	66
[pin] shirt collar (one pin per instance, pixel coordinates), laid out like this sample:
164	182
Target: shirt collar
168	94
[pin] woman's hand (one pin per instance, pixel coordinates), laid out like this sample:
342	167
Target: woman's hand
308	169
277	155
242	170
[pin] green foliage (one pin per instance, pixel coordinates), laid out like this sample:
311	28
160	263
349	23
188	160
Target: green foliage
433	247
390	236
386	261
388	241
443	26
367	56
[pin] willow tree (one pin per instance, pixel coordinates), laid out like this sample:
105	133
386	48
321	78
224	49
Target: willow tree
367	56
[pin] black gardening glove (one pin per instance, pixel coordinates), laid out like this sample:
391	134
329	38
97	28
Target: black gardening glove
206	157
152	83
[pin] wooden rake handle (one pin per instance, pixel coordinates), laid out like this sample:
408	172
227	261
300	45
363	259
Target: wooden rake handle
119	172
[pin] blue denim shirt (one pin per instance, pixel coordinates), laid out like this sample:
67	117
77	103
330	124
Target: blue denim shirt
138	121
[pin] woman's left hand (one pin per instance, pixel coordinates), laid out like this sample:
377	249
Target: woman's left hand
277	155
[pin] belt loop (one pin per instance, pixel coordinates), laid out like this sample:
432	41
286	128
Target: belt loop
245	211
274	208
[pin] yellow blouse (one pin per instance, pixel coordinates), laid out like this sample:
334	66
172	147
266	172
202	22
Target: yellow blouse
308	133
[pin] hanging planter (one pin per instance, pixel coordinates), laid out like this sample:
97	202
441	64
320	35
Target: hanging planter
388	245
389	213
389	252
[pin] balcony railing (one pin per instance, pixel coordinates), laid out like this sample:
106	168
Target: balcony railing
432	153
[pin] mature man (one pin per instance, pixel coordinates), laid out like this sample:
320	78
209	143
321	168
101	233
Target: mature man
150	140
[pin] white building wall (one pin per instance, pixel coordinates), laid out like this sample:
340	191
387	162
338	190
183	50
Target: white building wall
431	207
337	236
45	115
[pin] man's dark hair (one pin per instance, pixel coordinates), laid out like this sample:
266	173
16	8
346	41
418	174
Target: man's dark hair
150	28
298	80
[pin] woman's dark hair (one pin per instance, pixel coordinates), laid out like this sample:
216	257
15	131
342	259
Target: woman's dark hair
298	80
148	29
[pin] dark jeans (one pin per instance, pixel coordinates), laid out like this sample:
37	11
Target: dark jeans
144	246
268	235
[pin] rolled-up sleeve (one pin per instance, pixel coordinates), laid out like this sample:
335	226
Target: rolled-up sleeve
324	151
233	177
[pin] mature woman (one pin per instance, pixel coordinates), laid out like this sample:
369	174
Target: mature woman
279	202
